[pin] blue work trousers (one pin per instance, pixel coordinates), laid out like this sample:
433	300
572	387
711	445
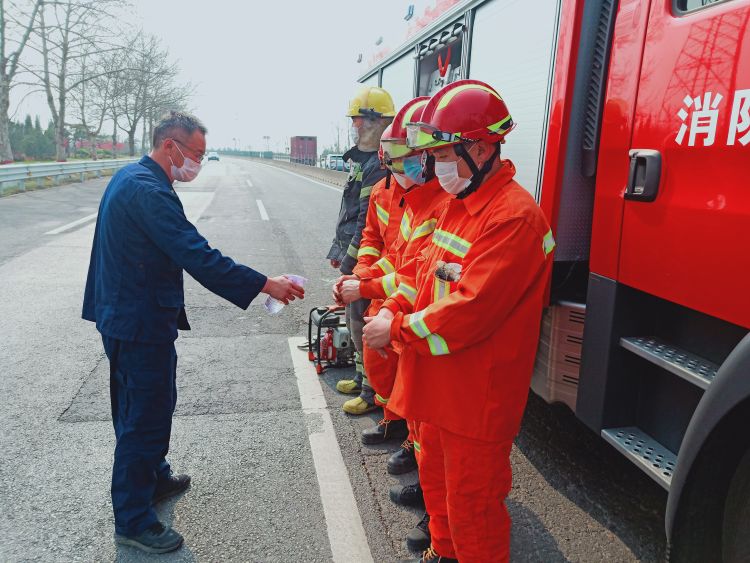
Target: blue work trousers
143	394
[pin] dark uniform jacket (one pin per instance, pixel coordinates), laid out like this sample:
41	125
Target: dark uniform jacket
364	173
142	243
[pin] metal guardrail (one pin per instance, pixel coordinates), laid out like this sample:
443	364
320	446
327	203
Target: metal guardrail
16	175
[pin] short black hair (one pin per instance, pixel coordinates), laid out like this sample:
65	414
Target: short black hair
175	121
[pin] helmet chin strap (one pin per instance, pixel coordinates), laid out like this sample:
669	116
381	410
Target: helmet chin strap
477	174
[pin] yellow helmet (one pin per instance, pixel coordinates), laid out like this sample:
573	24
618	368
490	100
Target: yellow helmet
371	101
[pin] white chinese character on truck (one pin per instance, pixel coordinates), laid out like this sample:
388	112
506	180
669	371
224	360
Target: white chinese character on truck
700	119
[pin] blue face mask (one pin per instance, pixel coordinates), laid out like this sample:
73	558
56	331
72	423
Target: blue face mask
413	169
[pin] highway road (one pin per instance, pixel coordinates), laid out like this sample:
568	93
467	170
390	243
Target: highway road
278	470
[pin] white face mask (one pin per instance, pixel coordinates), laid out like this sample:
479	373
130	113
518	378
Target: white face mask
188	171
403	180
450	181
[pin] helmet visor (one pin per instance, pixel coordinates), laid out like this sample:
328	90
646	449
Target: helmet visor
395	148
424	136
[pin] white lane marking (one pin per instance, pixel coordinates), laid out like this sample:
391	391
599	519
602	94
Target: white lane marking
343	522
330	187
249	183
72	225
262	209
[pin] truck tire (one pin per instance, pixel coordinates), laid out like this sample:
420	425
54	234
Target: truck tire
736	528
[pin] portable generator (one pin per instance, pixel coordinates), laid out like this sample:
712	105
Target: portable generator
332	345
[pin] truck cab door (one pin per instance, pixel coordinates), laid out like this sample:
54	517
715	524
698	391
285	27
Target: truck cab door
686	220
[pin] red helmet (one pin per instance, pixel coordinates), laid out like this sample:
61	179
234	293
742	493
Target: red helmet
465	110
393	140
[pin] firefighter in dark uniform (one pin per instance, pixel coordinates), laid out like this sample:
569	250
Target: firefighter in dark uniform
134	293
371	111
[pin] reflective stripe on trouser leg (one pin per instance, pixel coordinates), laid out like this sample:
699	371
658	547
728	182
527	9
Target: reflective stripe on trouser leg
432	478
381	373
478	479
355	313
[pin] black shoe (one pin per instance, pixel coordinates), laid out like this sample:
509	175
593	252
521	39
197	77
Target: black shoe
409	495
157	538
418	538
431	556
385	430
170	486
403	460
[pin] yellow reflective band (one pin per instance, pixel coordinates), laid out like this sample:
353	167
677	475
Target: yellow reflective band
381	399
438	345
418	326
496	127
365	192
389	284
352	251
424	229
450	94
409	293
405	227
417	446
548	244
451	243
383	215
385	265
442	289
368	251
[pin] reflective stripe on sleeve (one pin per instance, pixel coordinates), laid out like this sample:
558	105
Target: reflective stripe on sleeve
365	191
385	265
383	215
424	229
548	244
438	345
452	243
368	251
408	292
389	284
352	251
417	446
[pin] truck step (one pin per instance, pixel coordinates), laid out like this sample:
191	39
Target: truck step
684	364
649	455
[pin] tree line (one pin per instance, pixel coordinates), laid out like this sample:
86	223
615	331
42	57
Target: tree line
98	76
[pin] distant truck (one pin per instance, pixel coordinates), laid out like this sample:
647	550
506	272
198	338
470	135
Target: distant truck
304	150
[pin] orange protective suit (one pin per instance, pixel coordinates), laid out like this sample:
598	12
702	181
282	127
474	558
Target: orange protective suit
424	204
380	235
468	347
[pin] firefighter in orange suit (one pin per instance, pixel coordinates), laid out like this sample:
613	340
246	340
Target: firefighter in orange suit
386	230
469	339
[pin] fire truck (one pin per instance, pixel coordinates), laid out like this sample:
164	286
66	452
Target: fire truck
633	134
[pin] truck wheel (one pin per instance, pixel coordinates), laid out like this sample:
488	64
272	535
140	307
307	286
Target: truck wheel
736	527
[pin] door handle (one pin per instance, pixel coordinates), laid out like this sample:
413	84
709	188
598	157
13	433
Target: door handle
645	175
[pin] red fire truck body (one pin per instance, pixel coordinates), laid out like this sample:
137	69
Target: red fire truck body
634	135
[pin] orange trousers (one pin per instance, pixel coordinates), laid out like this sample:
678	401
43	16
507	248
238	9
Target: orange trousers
465	483
381	372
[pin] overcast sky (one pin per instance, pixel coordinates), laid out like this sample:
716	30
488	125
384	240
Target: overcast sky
277	68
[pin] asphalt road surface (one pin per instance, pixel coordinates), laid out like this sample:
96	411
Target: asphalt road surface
278	471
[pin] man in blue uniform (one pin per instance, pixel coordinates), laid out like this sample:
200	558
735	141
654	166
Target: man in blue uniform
134	293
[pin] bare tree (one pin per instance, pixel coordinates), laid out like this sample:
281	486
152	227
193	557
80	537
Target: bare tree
147	89
68	32
17	21
94	99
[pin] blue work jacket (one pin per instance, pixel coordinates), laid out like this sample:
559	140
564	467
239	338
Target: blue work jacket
142	243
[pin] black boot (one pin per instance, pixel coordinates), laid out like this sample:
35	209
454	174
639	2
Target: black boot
170	486
157	538
403	460
409	495
418	538
431	556
385	430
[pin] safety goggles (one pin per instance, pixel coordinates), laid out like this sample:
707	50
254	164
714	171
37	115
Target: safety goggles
424	135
